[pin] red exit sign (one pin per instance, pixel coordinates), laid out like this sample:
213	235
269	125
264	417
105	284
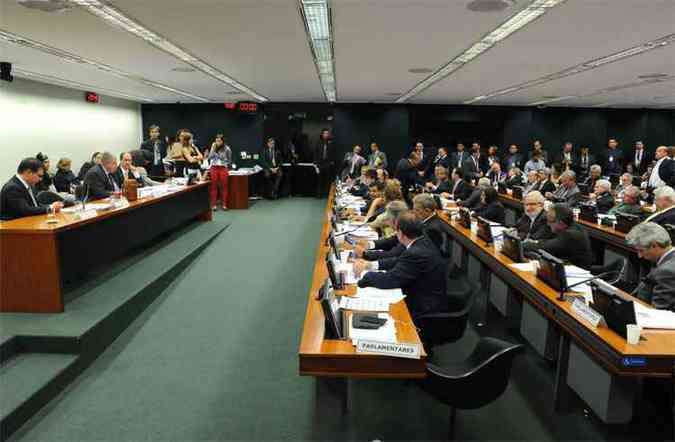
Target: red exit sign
92	97
230	106
247	107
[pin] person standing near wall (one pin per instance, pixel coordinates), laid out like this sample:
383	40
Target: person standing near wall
220	161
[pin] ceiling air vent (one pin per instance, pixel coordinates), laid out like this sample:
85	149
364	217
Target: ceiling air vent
45	5
489	5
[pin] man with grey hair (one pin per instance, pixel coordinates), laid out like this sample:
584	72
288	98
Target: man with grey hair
473	201
625	181
101	180
545	184
602	196
532	182
663	172
385	222
533	224
568	192
653	243
630	204
664	199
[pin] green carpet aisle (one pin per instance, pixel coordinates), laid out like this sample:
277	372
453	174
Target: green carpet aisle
215	358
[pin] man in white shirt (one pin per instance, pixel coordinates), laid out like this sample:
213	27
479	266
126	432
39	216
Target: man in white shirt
662	170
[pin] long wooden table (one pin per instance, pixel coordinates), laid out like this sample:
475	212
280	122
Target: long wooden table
38	258
338	358
654	356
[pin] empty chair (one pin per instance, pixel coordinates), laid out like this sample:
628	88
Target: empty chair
474	382
441	328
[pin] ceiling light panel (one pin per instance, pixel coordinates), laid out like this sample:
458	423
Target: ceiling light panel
317	18
118	19
533	11
24	42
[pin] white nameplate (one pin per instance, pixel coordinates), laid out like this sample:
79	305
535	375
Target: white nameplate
587	314
403	350
86	214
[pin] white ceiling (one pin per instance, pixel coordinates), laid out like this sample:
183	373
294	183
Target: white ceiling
262	44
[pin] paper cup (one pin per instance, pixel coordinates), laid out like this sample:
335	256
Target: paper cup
633	334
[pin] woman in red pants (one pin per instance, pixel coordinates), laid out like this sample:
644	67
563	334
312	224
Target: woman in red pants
220	160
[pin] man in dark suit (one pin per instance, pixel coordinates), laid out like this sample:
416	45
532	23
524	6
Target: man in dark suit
406	172
568	192
640	159
664	199
324	159
474	200
360	187
545	184
514	158
653	243
584	162
663	171
476	165
495	174
458	157
570	242
613	159
533	223
567	159
102	180
17	198
461	188
538	147
441	159
602	195
419	271
156	148
423	158
271	161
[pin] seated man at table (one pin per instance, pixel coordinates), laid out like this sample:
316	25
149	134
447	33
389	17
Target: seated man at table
101	180
419	272
17	198
440	185
473	201
602	195
630	204
532	182
490	208
461	185
568	192
533	224
570	242
361	184
127	171
653	243
664	199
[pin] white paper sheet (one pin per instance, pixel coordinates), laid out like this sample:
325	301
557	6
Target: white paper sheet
364	304
652	318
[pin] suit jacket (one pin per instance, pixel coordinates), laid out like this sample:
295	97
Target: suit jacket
420	273
324	160
496	179
644	163
572	197
266	158
462	190
536	230
457	159
149	146
119	175
470	168
570	245
97	183
560	158
63	180
347	165
604	202
544	155
444	187
658	287
514	160
667	172
473	201
373	157
15	201
584	168
663	217
492	212
546	186
612	162
406	174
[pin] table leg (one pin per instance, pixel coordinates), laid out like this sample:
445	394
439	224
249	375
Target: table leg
560	389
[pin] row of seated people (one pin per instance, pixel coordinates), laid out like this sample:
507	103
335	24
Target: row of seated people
553	229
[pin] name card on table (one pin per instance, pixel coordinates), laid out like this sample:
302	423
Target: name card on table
86	214
403	350
587	314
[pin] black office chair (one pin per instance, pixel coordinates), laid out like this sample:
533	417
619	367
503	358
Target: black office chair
47	197
474	382
619	274
442	328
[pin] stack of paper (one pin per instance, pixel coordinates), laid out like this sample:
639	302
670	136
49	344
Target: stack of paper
524	266
364	304
386	333
392	296
647	317
347	269
575	275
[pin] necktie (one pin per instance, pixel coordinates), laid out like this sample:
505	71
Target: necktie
156	152
30	192
638	158
475	161
584	162
113	183
274	162
325	151
353	165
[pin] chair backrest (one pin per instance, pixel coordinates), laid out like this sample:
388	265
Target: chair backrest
47	197
481	379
